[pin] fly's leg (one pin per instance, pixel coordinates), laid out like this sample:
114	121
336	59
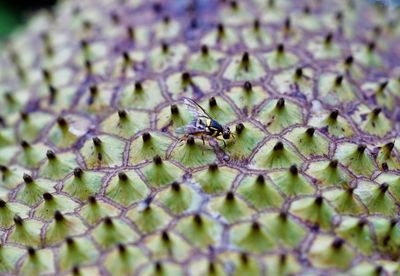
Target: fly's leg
219	139
202	148
183	138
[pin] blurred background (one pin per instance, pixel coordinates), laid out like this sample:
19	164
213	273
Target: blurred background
13	13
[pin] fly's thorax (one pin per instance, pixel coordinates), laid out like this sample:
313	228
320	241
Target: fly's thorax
214	128
215	125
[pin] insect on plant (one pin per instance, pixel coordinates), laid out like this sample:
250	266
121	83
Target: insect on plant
203	125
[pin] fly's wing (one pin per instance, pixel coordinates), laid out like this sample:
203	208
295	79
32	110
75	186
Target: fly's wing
190	129
197	125
181	130
196	110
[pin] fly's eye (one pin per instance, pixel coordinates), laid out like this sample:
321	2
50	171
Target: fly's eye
226	135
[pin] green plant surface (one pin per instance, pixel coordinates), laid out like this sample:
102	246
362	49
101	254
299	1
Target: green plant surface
102	172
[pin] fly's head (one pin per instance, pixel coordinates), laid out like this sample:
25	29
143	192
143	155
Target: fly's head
226	134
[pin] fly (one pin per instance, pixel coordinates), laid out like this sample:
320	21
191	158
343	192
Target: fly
203	125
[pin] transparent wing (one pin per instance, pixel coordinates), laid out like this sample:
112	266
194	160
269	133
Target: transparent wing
198	124
181	130
191	128
196	109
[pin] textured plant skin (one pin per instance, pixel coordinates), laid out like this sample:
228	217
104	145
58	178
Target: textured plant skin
94	180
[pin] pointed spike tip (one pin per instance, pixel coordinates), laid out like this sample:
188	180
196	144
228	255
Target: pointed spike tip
175	186
50	155
328	38
260	179
146	137
70	241
27	178
393	222
138	86
211	268
283	215
384	187
333	164
339	80
108	221
157	160
334	114
350	190
361	148
190	141
299	73
310	131
24	144
165	236
213	167
78	172
58	216
280	103
122	114
122	176
220	29
197	219
280	48
174	109
244	258
245	61
31	251
164	47
212	102
349	60
186	77
239	128
362	222
248	87
121	248
278	146
376	111
18	220
294	170
230	196
62	123
282	258
256	24
96	141
92	200
3	169
204	50
76	270
318	200
337	243
389	146
255	226
47	196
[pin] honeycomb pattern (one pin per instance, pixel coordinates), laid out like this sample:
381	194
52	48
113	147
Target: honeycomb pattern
95	181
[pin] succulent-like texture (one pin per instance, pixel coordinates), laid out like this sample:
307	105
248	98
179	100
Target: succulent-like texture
94	179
